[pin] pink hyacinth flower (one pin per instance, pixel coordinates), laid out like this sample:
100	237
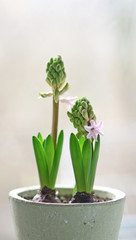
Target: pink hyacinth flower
94	130
70	101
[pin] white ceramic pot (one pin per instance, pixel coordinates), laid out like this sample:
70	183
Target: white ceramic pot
88	221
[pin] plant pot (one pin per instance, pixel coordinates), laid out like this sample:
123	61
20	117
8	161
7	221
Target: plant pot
88	221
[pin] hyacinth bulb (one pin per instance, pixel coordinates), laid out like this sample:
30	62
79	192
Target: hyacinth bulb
81	114
55	73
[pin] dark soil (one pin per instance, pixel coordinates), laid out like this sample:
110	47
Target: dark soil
46	195
83	197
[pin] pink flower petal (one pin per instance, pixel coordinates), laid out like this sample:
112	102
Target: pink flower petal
99	132
94	130
89	135
95	136
87	128
68	100
92	123
99	125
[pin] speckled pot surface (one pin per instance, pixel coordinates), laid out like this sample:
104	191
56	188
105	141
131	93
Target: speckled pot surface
88	221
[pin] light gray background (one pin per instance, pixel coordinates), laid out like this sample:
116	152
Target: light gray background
97	41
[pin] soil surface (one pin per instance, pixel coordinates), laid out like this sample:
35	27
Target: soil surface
47	195
83	197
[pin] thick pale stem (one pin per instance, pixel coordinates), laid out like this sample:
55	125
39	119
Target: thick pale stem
55	121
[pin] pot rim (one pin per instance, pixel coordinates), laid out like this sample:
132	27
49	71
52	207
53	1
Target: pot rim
118	195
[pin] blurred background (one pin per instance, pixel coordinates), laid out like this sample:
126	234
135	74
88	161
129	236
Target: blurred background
97	41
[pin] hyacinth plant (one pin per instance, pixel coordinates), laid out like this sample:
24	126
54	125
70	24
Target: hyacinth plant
84	146
48	151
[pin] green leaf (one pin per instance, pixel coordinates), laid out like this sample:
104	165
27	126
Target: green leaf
44	142
41	162
56	159
74	190
94	164
81	142
40	137
87	157
49	149
77	162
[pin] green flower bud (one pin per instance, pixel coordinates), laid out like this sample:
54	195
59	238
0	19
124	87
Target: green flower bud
85	114
80	109
55	73
80	115
70	115
84	104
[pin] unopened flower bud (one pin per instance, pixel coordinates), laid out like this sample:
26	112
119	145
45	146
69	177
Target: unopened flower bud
84	104
85	114
81	114
55	73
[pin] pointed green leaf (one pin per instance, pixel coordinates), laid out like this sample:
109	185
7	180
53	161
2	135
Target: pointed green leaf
40	137
94	164
87	157
49	149
44	142
41	162
81	142
77	162
56	159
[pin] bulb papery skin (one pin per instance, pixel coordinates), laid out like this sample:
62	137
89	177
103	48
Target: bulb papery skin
55	73
80	115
